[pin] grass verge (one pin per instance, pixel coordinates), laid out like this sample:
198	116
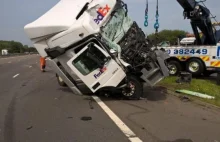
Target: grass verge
198	85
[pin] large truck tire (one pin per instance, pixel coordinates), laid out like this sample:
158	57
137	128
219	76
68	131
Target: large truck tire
134	90
174	67
60	81
195	67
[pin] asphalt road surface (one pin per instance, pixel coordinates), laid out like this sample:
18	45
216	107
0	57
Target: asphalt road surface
34	108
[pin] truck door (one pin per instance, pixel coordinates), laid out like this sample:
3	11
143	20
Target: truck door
96	68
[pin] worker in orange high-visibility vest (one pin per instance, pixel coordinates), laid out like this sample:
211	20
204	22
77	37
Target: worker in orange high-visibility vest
42	64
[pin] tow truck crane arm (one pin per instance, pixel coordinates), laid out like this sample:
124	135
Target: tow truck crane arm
200	19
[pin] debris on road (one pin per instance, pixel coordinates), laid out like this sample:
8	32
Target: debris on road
86	118
195	94
90	103
29	128
184	77
184	98
204	119
24	84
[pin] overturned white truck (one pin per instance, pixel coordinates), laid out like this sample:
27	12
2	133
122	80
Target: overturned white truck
94	47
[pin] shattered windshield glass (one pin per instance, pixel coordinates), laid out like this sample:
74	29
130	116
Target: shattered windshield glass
116	27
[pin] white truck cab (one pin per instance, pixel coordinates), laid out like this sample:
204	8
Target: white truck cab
89	47
64	24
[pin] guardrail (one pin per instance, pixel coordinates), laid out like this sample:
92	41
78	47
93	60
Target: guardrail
16	54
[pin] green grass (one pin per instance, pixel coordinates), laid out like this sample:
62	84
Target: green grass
198	85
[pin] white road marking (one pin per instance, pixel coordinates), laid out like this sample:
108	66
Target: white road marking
122	126
7	58
15	57
15	75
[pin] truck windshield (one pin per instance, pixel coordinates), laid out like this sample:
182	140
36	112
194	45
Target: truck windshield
118	24
85	65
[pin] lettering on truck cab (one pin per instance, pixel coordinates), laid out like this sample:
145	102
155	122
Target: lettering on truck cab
188	51
97	75
102	13
218	52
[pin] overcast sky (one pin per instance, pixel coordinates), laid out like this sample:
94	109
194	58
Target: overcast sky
15	14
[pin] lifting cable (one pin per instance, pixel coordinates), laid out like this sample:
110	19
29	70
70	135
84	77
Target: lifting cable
212	16
156	25
202	1
146	15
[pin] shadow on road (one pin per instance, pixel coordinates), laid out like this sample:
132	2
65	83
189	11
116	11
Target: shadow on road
150	93
65	89
155	93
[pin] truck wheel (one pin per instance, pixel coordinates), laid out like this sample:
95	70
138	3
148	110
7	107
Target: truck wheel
174	67
134	89
195	66
60	81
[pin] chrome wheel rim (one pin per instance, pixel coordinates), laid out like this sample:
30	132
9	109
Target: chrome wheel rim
131	91
173	69
193	66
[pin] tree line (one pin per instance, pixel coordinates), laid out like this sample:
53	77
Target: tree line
170	36
15	47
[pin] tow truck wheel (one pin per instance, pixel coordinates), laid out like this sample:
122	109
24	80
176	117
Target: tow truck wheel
60	81
174	67
195	66
133	90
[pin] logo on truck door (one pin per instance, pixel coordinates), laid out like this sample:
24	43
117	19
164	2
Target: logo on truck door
101	13
100	72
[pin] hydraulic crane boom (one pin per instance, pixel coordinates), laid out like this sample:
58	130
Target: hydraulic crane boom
200	19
